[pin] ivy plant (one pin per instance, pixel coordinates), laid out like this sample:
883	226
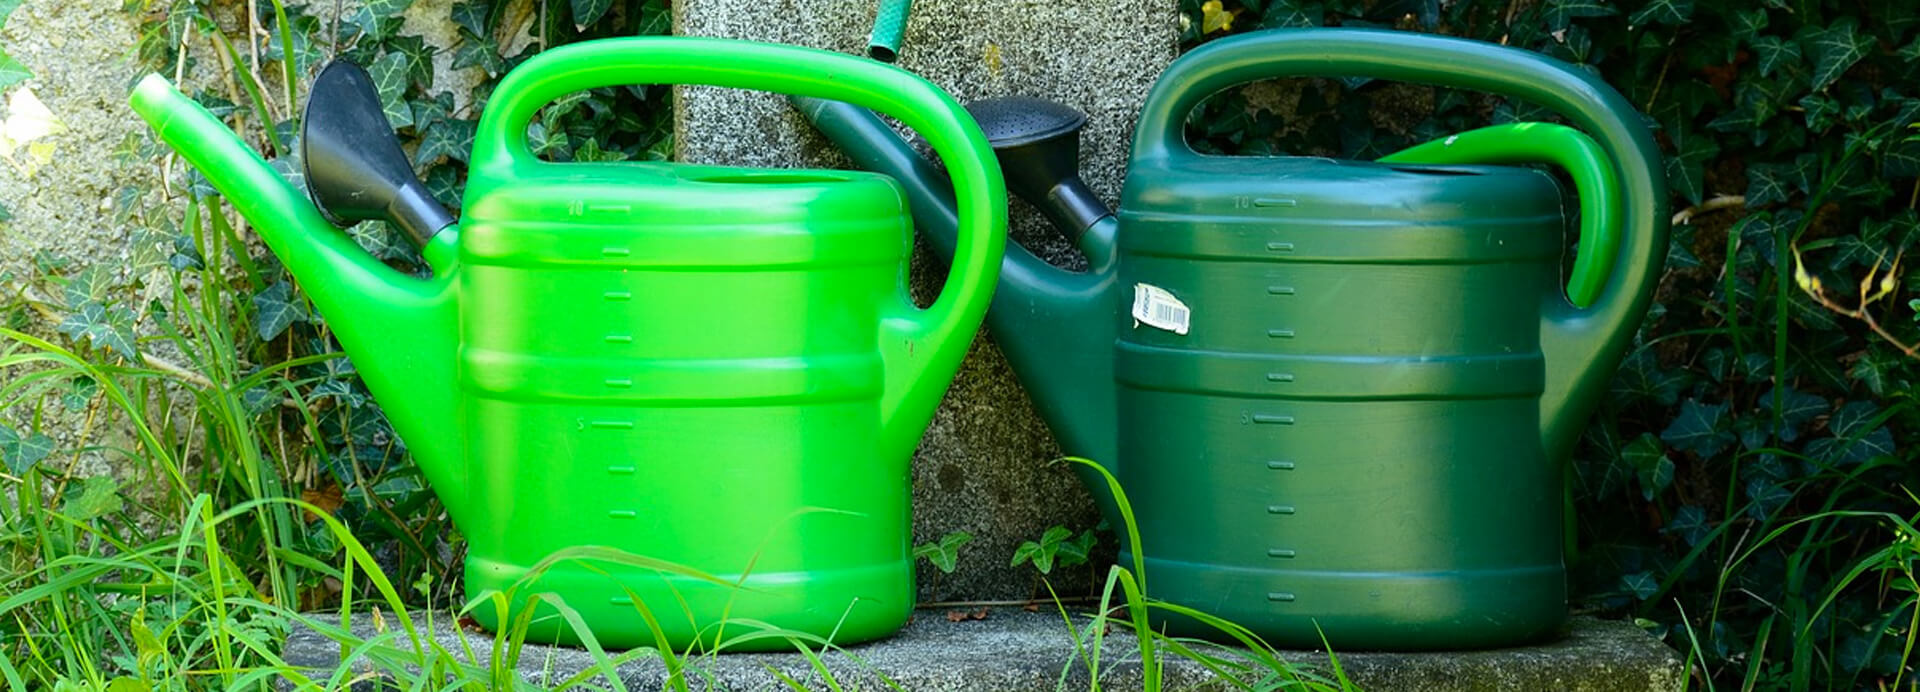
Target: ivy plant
1748	465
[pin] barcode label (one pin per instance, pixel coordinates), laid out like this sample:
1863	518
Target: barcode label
1155	307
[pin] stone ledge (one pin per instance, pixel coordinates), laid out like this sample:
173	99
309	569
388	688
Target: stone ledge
1012	650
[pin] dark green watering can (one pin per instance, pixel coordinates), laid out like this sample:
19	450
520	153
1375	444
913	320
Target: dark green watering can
712	376
1339	394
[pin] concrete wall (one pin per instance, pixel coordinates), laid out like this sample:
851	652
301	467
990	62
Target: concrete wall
982	467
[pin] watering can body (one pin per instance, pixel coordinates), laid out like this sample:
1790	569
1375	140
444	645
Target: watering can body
1366	441
1347	434
1339	395
683	364
668	405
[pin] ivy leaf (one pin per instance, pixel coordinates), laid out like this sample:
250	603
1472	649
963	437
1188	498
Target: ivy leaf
1835	49
98	496
1878	371
1767	184
1797	410
1030	551
379	239
944	553
655	19
483	53
368	25
390	79
1857	436
1686	169
21	453
1690	522
1293	14
419	58
1559	13
1601	470
1649	461
387	8
5	213
1821	112
1641	378
1700	429
1775	182
429	111
275	310
1641	584
588	11
12	72
590	151
1075	552
1748	24
103	328
1054	536
472	16
1902	160
1773	53
1670	12
86	286
1768	497
444	182
544	143
452	138
80	391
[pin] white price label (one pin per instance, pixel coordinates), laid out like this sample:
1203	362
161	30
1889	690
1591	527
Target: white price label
1155	307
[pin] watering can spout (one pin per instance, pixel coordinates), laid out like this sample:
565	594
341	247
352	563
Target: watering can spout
399	329
1056	327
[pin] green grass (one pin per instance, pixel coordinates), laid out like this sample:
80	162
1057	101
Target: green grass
189	565
246	493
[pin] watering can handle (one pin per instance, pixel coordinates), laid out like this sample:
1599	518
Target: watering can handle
1582	347
915	343
1570	150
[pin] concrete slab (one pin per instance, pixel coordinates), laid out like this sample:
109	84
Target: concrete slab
1011	650
982	465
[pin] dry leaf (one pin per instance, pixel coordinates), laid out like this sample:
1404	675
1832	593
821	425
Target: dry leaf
330	498
1213	18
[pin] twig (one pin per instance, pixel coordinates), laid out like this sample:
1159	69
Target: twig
1716	204
42	306
1873	288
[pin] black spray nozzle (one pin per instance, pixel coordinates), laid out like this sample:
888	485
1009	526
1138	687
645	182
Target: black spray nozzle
1038	144
354	166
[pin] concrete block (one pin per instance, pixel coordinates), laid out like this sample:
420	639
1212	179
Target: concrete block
982	467
1012	651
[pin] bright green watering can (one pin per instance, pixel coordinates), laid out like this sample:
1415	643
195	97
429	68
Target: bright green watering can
1339	394
718	368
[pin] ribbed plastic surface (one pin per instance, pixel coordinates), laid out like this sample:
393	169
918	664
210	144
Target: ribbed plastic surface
1348	434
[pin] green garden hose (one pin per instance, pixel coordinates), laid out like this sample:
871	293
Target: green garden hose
889	24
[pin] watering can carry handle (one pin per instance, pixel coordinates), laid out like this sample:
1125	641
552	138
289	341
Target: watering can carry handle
1582	347
916	341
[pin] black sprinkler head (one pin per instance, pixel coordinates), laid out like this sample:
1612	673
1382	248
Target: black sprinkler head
1038	144
355	168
